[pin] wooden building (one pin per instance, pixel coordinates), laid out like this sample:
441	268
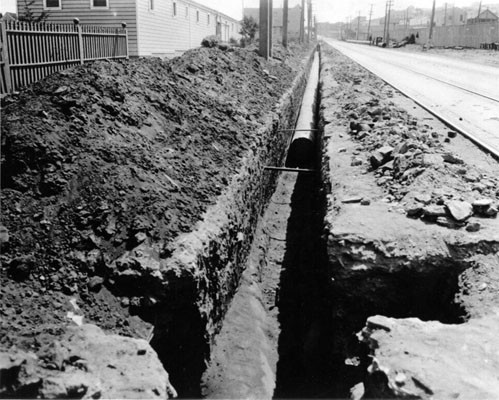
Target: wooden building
155	27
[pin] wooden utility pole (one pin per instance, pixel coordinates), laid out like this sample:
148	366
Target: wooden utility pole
386	19
390	3
479	9
430	36
309	20
358	27
285	24
264	28
445	14
369	25
302	22
271	26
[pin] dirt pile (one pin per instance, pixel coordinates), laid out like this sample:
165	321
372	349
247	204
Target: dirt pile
102	159
405	361
412	165
85	363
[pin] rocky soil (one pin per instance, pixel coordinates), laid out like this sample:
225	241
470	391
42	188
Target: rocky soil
101	159
412	232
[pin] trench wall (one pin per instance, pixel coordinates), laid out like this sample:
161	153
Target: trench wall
198	281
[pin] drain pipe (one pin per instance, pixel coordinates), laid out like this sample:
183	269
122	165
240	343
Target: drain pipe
302	149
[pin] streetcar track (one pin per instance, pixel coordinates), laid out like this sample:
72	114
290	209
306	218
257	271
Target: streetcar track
452	84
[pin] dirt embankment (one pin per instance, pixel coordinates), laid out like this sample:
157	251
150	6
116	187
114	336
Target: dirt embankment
411	232
102	159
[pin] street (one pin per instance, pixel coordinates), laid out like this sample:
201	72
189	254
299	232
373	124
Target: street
441	84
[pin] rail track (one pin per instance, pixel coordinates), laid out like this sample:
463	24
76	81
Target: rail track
482	141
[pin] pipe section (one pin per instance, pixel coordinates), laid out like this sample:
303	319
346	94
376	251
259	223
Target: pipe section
301	149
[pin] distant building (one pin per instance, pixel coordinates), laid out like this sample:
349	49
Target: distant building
294	16
8	16
155	27
485	16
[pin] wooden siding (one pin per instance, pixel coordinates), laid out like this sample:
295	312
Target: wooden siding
119	11
161	33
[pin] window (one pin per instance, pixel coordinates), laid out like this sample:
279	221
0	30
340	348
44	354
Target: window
208	15
52	4
99	4
197	16
174	9
186	11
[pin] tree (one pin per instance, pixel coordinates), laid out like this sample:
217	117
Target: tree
248	30
29	16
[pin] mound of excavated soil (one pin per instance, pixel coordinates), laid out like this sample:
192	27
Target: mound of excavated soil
102	157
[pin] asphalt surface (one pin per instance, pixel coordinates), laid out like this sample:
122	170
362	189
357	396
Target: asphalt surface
464	94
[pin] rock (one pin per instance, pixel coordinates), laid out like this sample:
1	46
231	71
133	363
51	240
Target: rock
342	150
414	211
86	362
365	202
95	283
20	268
353	199
473	227
481	206
4	236
440	361
356	162
434	211
452	159
423	198
452	134
491	212
471	176
13	365
363	128
445	221
381	156
432	160
459	210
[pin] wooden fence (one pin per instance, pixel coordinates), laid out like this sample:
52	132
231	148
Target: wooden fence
30	52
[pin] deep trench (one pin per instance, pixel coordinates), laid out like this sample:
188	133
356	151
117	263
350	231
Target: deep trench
319	311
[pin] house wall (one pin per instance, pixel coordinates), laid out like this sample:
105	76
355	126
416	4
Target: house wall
119	11
162	32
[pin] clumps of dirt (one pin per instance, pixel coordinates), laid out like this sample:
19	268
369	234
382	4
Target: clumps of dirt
409	159
100	158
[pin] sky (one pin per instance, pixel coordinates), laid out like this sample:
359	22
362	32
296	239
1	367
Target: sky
334	10
325	10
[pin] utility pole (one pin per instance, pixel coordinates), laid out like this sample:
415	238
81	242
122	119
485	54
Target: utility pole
264	28
386	18
430	37
479	10
390	3
309	20
302	22
369	25
445	14
358	26
285	24
271	25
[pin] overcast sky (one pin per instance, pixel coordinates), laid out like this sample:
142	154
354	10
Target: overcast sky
334	10
325	10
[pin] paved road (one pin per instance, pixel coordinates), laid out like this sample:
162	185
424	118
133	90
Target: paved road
441	84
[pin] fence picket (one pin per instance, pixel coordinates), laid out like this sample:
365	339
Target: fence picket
30	52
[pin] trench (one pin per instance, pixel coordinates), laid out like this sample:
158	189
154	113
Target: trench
290	330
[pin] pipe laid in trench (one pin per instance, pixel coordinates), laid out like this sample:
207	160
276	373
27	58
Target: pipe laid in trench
245	356
302	147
